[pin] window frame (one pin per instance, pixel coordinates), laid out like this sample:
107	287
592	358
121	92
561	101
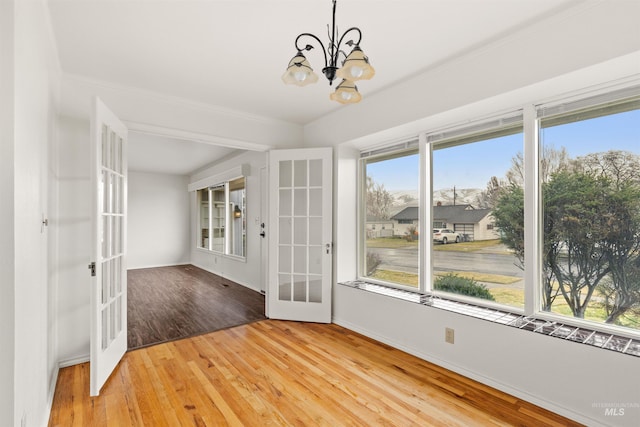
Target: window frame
533	238
228	218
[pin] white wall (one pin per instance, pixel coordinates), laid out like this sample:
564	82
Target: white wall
245	272
28	114
74	239
158	227
7	212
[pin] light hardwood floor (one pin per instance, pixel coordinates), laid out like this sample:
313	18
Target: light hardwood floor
272	373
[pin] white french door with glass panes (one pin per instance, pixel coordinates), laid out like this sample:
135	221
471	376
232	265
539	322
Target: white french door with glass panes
109	218
300	246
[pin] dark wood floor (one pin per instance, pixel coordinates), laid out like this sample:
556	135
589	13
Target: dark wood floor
169	303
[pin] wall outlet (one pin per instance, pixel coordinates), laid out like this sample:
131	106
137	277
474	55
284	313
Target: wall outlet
448	335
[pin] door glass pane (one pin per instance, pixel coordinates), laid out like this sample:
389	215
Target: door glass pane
112	326
106	271
106	242
285	173
315	173
315	202
118	155
300	231
285	203
117	274
105	185
300	202
105	146
315	231
105	327
117	235
315	289
118	303
284	287
285	231
300	173
112	282
315	260
300	288
112	149
203	211
284	259
299	259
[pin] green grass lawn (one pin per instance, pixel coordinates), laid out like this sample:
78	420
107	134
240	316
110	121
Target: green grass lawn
511	297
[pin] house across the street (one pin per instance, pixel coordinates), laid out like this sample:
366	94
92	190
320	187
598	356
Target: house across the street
472	223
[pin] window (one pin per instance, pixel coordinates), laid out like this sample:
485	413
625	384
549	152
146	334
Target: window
222	219
579	233
391	196
590	187
473	172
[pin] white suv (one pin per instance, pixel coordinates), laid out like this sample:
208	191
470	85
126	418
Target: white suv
444	235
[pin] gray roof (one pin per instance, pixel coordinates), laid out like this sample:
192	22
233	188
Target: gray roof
461	214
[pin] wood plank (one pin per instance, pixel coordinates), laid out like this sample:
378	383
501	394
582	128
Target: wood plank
284	373
174	302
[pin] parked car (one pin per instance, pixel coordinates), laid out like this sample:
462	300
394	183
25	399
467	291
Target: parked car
444	235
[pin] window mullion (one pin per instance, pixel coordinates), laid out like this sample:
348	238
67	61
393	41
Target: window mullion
532	212
425	265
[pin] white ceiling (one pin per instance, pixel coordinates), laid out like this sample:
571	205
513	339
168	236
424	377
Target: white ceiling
156	154
232	53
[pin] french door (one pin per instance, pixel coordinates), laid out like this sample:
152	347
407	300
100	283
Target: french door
300	238
109	220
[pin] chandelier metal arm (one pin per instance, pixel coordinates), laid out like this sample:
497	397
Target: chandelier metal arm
309	47
349	42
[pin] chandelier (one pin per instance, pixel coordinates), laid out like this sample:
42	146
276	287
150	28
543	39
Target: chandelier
355	66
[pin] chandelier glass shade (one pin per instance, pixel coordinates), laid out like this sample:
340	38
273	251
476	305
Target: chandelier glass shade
355	66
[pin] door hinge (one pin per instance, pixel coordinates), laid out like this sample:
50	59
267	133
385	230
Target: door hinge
92	267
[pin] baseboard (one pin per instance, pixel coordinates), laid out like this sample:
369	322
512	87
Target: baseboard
159	265
550	406
75	361
226	276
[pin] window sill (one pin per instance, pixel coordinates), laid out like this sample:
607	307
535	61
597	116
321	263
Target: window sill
559	330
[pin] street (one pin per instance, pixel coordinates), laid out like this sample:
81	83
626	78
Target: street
406	260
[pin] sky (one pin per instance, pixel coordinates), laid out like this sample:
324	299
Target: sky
472	165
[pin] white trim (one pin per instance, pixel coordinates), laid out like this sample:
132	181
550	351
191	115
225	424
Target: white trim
532	213
50	395
242	170
195	136
65	363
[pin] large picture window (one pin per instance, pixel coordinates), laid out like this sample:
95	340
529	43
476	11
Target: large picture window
567	202
476	177
590	187
391	218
